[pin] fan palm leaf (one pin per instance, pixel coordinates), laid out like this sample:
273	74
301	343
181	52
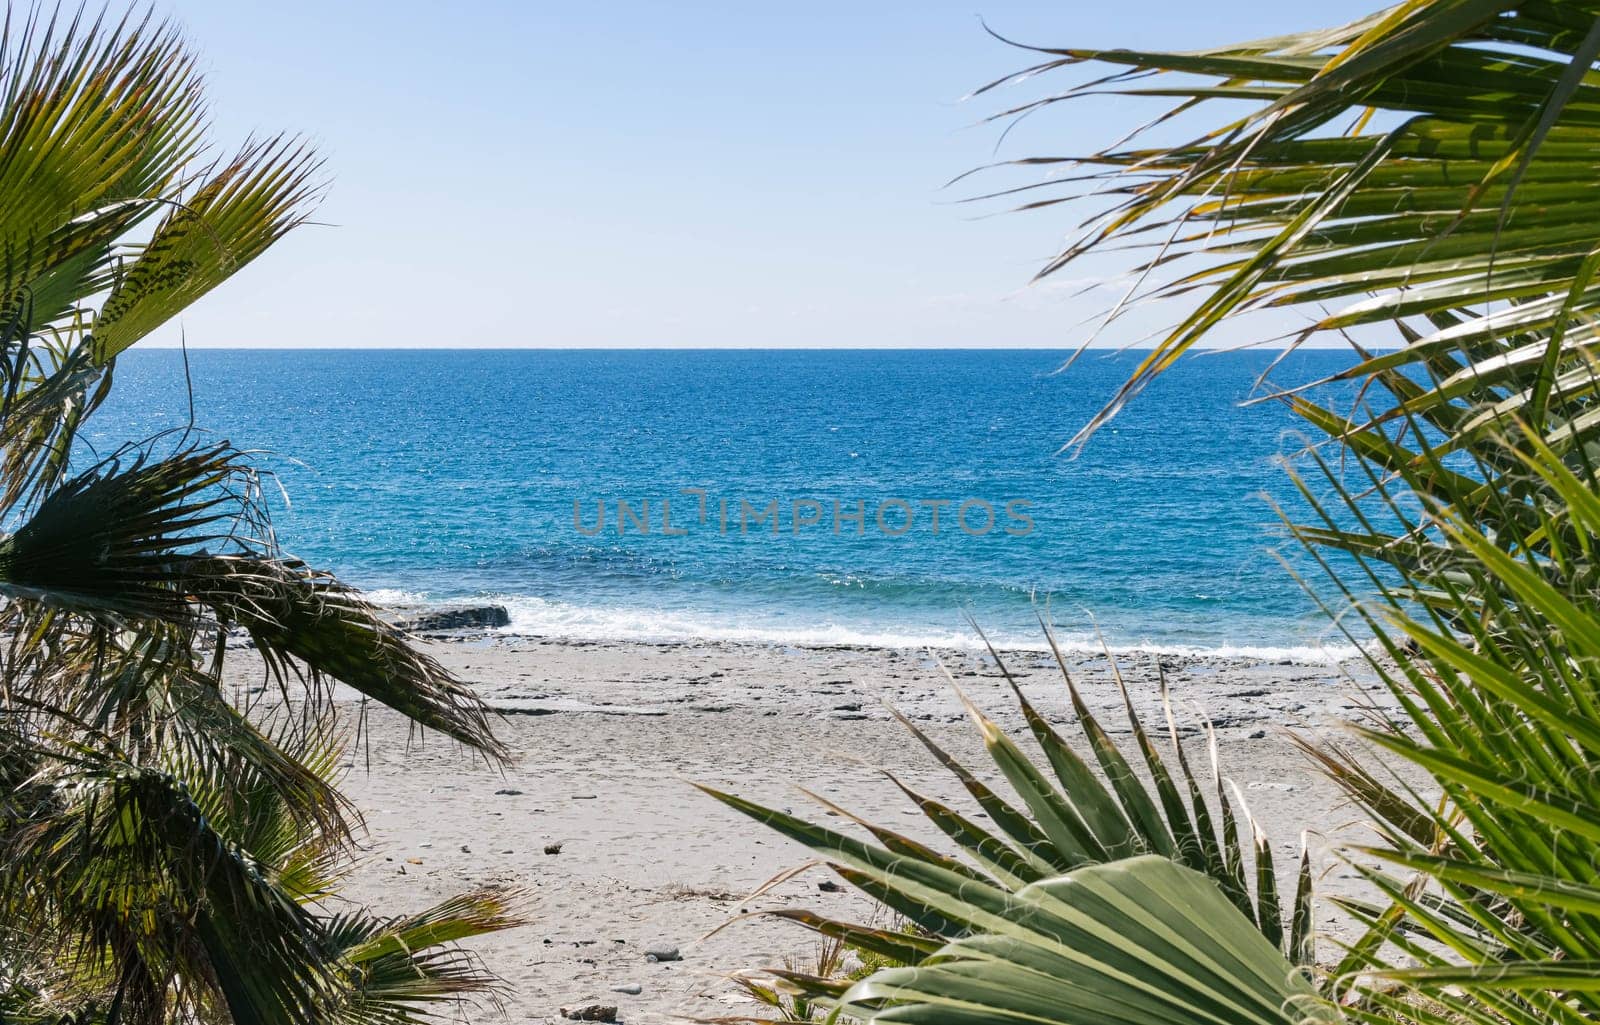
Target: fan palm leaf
1134	941
119	540
1424	171
404	965
1070	818
164	851
1427	164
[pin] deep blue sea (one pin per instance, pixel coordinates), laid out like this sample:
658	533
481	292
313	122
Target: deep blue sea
435	475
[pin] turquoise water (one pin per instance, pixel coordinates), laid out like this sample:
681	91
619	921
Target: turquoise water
440	475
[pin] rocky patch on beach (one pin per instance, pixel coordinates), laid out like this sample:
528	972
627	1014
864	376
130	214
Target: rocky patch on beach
459	617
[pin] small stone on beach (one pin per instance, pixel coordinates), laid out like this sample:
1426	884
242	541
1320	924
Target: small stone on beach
593	1012
662	954
633	989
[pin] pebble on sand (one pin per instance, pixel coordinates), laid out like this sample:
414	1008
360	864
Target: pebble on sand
662	954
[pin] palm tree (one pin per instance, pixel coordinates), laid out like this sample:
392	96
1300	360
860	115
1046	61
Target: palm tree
1420	177
166	855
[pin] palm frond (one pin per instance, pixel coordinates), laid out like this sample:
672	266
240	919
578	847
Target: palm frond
293	612
241	208
1428	163
406	970
122	542
163	850
100	118
1136	940
1074	818
130	866
1454	511
107	542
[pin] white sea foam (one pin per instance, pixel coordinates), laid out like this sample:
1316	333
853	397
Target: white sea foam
541	618
393	597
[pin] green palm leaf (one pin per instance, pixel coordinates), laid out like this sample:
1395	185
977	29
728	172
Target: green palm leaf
164	852
1129	942
1425	172
409	970
1075	818
1417	164
239	210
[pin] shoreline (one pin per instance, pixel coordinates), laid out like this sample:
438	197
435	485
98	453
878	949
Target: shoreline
1331	655
518	674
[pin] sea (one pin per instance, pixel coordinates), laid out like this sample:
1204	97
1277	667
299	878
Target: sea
794	497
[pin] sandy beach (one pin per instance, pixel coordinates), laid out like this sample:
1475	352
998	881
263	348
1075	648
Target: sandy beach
567	656
608	736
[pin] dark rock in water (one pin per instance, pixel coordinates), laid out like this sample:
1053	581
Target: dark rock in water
465	617
593	1012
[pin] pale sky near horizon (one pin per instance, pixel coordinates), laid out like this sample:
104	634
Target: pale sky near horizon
636	174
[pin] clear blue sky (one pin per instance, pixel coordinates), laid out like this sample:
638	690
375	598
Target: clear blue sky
660	174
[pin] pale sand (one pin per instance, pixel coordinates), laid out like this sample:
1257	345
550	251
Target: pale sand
608	736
